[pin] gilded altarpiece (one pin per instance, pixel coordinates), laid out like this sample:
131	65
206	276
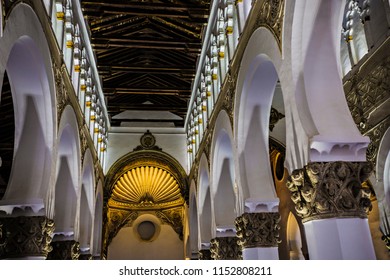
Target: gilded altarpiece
145	182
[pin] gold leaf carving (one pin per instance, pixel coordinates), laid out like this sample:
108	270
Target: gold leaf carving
271	16
146	185
173	217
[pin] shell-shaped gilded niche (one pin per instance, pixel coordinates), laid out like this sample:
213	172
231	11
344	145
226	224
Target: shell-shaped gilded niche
146	185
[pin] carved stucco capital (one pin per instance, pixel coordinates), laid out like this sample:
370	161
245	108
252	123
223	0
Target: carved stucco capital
204	254
330	189
225	248
64	250
85	257
258	229
25	236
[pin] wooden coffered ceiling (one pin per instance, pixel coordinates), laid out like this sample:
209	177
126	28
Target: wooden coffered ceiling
146	54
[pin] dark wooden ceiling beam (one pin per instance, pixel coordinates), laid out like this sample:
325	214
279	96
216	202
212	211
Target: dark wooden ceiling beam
151	91
177	69
115	107
195	18
195	43
118	122
146	120
105	43
186	9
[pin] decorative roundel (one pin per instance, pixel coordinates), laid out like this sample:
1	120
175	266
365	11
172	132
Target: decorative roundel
148	140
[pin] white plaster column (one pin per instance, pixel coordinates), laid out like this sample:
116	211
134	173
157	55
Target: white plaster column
339	238
332	203
240	15
258	230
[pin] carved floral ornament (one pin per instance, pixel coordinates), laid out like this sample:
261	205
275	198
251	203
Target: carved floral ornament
173	217
148	142
271	16
25	236
116	219
205	254
225	248
61	94
330	190
64	250
258	229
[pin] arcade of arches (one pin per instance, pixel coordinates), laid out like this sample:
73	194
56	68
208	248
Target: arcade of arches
195	129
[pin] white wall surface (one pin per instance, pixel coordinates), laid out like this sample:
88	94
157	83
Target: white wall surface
126	246
123	140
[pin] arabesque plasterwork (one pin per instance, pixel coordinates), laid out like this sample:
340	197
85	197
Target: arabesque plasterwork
25	236
225	248
258	229
324	190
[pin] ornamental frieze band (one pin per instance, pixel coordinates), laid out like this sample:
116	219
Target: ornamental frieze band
225	248
26	236
258	229
330	189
